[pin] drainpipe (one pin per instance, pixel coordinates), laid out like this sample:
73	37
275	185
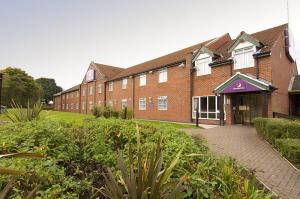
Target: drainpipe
104	93
257	67
190	73
79	101
133	94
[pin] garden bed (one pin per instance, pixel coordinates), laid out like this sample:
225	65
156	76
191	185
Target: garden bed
77	154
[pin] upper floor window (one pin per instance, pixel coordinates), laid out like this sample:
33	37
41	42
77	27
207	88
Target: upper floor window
110	86
124	83
202	65
243	55
163	75
83	92
143	80
100	88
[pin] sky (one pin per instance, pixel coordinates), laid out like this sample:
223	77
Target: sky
59	38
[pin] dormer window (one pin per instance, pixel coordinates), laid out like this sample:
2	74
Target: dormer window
202	64
243	55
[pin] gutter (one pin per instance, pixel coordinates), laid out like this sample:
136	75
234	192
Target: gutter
219	63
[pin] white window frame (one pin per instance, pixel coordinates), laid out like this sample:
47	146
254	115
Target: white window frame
143	80
124	103
207	105
159	106
90	105
100	88
142	104
83	92
110	103
83	106
248	59
77	106
163	75
110	86
124	83
202	65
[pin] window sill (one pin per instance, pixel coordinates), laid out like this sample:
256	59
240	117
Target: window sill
162	109
203	75
243	68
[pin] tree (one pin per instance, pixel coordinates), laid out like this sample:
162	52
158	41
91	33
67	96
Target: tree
49	88
19	86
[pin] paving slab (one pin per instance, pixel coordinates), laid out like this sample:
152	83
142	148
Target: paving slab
253	152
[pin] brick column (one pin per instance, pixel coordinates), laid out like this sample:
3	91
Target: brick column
189	67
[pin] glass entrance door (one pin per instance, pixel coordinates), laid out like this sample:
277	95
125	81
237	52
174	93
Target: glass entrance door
246	107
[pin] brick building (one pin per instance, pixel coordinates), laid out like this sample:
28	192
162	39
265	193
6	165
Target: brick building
227	80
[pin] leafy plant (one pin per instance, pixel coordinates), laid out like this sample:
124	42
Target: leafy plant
20	114
16	172
96	111
149	181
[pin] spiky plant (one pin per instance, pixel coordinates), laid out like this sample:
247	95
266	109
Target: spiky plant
148	181
21	114
16	172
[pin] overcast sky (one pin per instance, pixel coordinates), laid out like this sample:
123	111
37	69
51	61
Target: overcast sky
59	38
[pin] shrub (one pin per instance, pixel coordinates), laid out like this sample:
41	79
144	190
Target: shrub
20	114
126	114
96	111
273	128
290	148
77	154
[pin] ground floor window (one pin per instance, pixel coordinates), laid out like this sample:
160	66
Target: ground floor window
83	105
142	104
90	105
110	104
207	106
124	103
163	103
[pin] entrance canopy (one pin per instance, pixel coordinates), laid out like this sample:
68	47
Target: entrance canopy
242	83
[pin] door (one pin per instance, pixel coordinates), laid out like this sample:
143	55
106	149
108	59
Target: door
246	107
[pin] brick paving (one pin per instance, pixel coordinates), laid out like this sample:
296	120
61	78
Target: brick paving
251	151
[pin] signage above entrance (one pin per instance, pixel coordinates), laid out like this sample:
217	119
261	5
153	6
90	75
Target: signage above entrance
240	85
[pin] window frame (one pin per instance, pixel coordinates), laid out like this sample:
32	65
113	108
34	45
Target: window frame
91	88
100	88
145	101
145	80
163	75
201	61
217	111
158	104
124	86
124	101
110	86
243	51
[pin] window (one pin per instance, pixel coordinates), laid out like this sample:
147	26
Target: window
202	66
110	103
100	88
207	106
83	105
90	105
77	106
143	80
91	90
163	75
142	104
243	57
63	106
83	92
124	103
124	83
110	86
67	96
67	106
71	106
163	103
77	94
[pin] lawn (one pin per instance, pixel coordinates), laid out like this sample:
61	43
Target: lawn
65	116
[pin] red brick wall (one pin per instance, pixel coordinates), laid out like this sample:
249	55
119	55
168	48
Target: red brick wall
282	71
177	89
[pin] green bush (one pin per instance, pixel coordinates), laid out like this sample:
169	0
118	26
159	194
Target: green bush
290	148
96	111
78	154
126	114
273	128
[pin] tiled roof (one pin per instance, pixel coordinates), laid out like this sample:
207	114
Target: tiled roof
108	71
267	37
74	88
295	85
159	62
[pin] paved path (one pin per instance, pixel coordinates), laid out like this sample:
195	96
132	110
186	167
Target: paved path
243	144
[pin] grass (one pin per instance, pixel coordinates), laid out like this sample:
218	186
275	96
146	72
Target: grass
78	118
65	116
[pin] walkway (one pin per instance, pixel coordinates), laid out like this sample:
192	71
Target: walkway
243	144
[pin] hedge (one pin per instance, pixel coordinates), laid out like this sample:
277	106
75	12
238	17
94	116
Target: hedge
290	148
274	128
